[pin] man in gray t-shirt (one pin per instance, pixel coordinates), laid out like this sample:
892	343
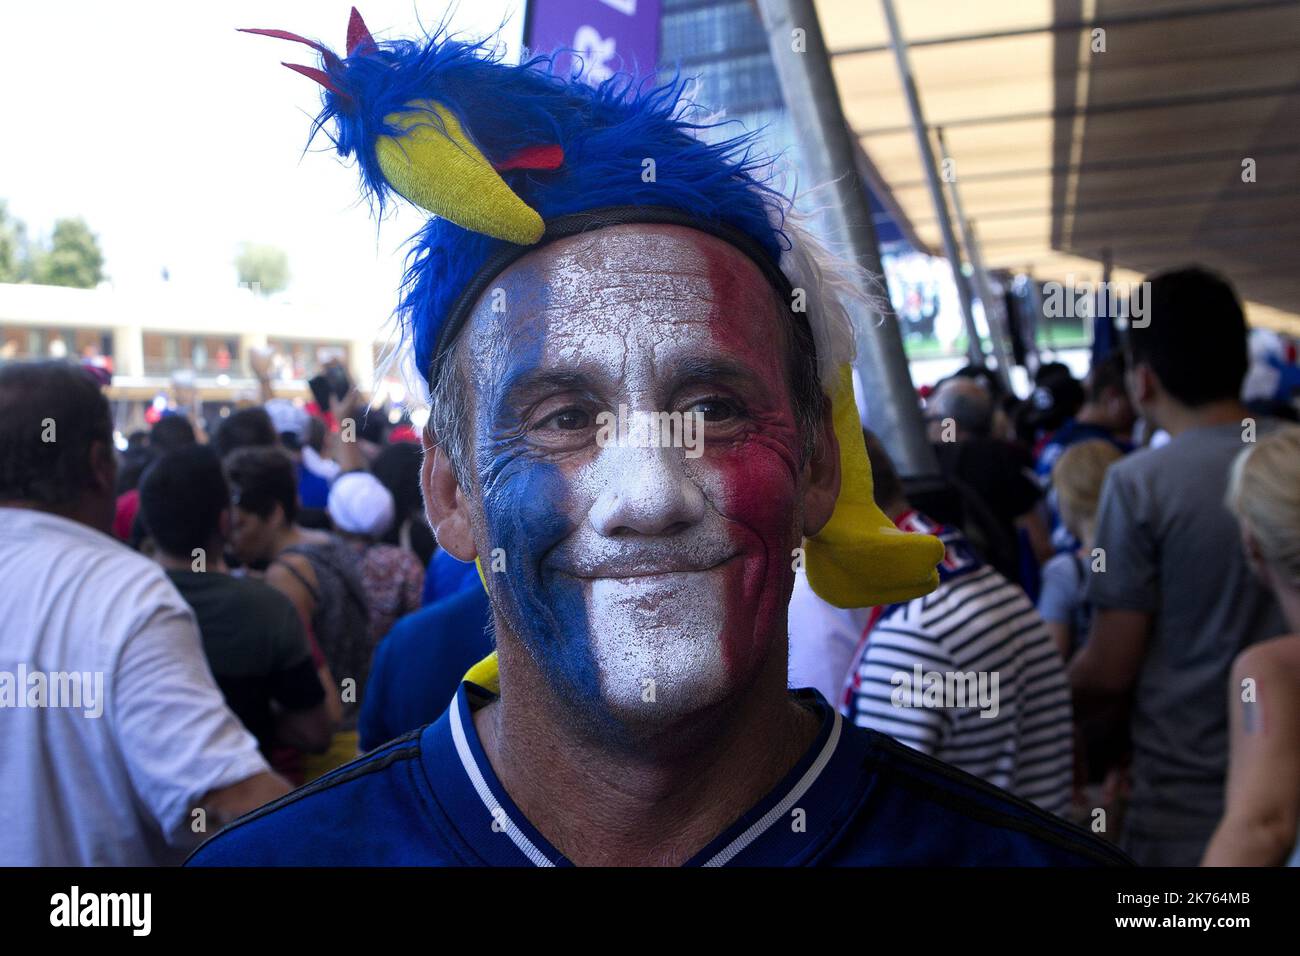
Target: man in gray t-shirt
1177	600
1172	554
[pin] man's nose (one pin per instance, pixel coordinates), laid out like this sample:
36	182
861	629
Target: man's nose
645	491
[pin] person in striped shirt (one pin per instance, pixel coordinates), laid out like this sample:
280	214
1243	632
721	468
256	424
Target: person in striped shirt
968	673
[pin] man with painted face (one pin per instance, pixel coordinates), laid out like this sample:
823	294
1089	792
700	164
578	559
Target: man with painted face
637	431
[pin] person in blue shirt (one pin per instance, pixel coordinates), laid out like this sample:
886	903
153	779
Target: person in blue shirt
640	429
447	576
1107	414
417	667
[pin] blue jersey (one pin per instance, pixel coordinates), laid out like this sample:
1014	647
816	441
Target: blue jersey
419	664
447	576
856	798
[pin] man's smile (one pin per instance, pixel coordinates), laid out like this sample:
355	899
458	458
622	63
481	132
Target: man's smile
635	568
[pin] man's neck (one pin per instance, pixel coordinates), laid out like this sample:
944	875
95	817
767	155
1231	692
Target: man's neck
214	560
1176	418
652	805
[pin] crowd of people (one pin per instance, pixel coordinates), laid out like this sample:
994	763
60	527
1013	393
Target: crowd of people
276	555
1121	560
623	649
1119	507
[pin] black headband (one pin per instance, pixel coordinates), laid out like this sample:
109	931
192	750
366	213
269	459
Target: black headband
562	227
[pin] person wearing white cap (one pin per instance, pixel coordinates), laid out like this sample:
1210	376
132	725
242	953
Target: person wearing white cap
360	505
362	510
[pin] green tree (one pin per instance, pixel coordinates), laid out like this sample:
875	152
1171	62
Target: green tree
72	259
13	247
265	269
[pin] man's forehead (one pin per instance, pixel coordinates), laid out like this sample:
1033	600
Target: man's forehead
638	246
646	286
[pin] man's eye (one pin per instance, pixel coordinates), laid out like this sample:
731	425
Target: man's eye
569	420
714	410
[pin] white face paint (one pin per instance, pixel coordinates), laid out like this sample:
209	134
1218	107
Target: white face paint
657	642
679	554
652	544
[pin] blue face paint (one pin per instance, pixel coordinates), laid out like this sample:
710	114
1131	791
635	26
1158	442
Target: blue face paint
527	502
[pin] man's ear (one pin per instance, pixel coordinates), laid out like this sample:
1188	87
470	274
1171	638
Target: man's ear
1144	385
823	476
103	468
445	505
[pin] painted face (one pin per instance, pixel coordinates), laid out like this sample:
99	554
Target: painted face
646	580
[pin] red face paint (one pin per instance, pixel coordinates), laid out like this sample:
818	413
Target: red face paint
761	473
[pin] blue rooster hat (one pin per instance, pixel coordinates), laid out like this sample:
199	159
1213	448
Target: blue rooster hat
506	156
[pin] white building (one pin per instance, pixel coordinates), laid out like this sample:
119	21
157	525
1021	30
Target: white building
147	336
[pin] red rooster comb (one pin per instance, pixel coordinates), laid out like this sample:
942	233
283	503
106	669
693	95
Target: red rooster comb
359	41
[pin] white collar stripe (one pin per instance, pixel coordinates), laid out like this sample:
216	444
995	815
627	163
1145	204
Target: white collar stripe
731	850
497	812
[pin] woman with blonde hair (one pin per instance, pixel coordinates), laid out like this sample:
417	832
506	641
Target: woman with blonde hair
1263	791
1077	478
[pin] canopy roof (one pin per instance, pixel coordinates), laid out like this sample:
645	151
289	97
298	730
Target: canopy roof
1063	154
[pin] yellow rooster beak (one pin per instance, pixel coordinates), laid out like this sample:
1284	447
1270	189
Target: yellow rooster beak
434	165
860	559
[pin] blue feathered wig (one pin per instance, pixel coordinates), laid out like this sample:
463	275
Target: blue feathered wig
560	145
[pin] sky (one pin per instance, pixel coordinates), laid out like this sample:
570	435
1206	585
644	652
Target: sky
177	138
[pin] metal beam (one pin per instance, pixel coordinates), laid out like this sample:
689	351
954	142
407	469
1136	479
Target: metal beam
994	311
1126	164
908	83
1100	109
1073	26
1178	238
996	330
1253	194
827	153
1030	335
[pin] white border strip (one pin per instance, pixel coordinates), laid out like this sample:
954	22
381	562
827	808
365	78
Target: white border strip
725	855
496	811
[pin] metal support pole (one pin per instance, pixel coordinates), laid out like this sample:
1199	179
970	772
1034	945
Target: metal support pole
932	180
1104	334
994	310
997	329
1030	335
1039	321
826	150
